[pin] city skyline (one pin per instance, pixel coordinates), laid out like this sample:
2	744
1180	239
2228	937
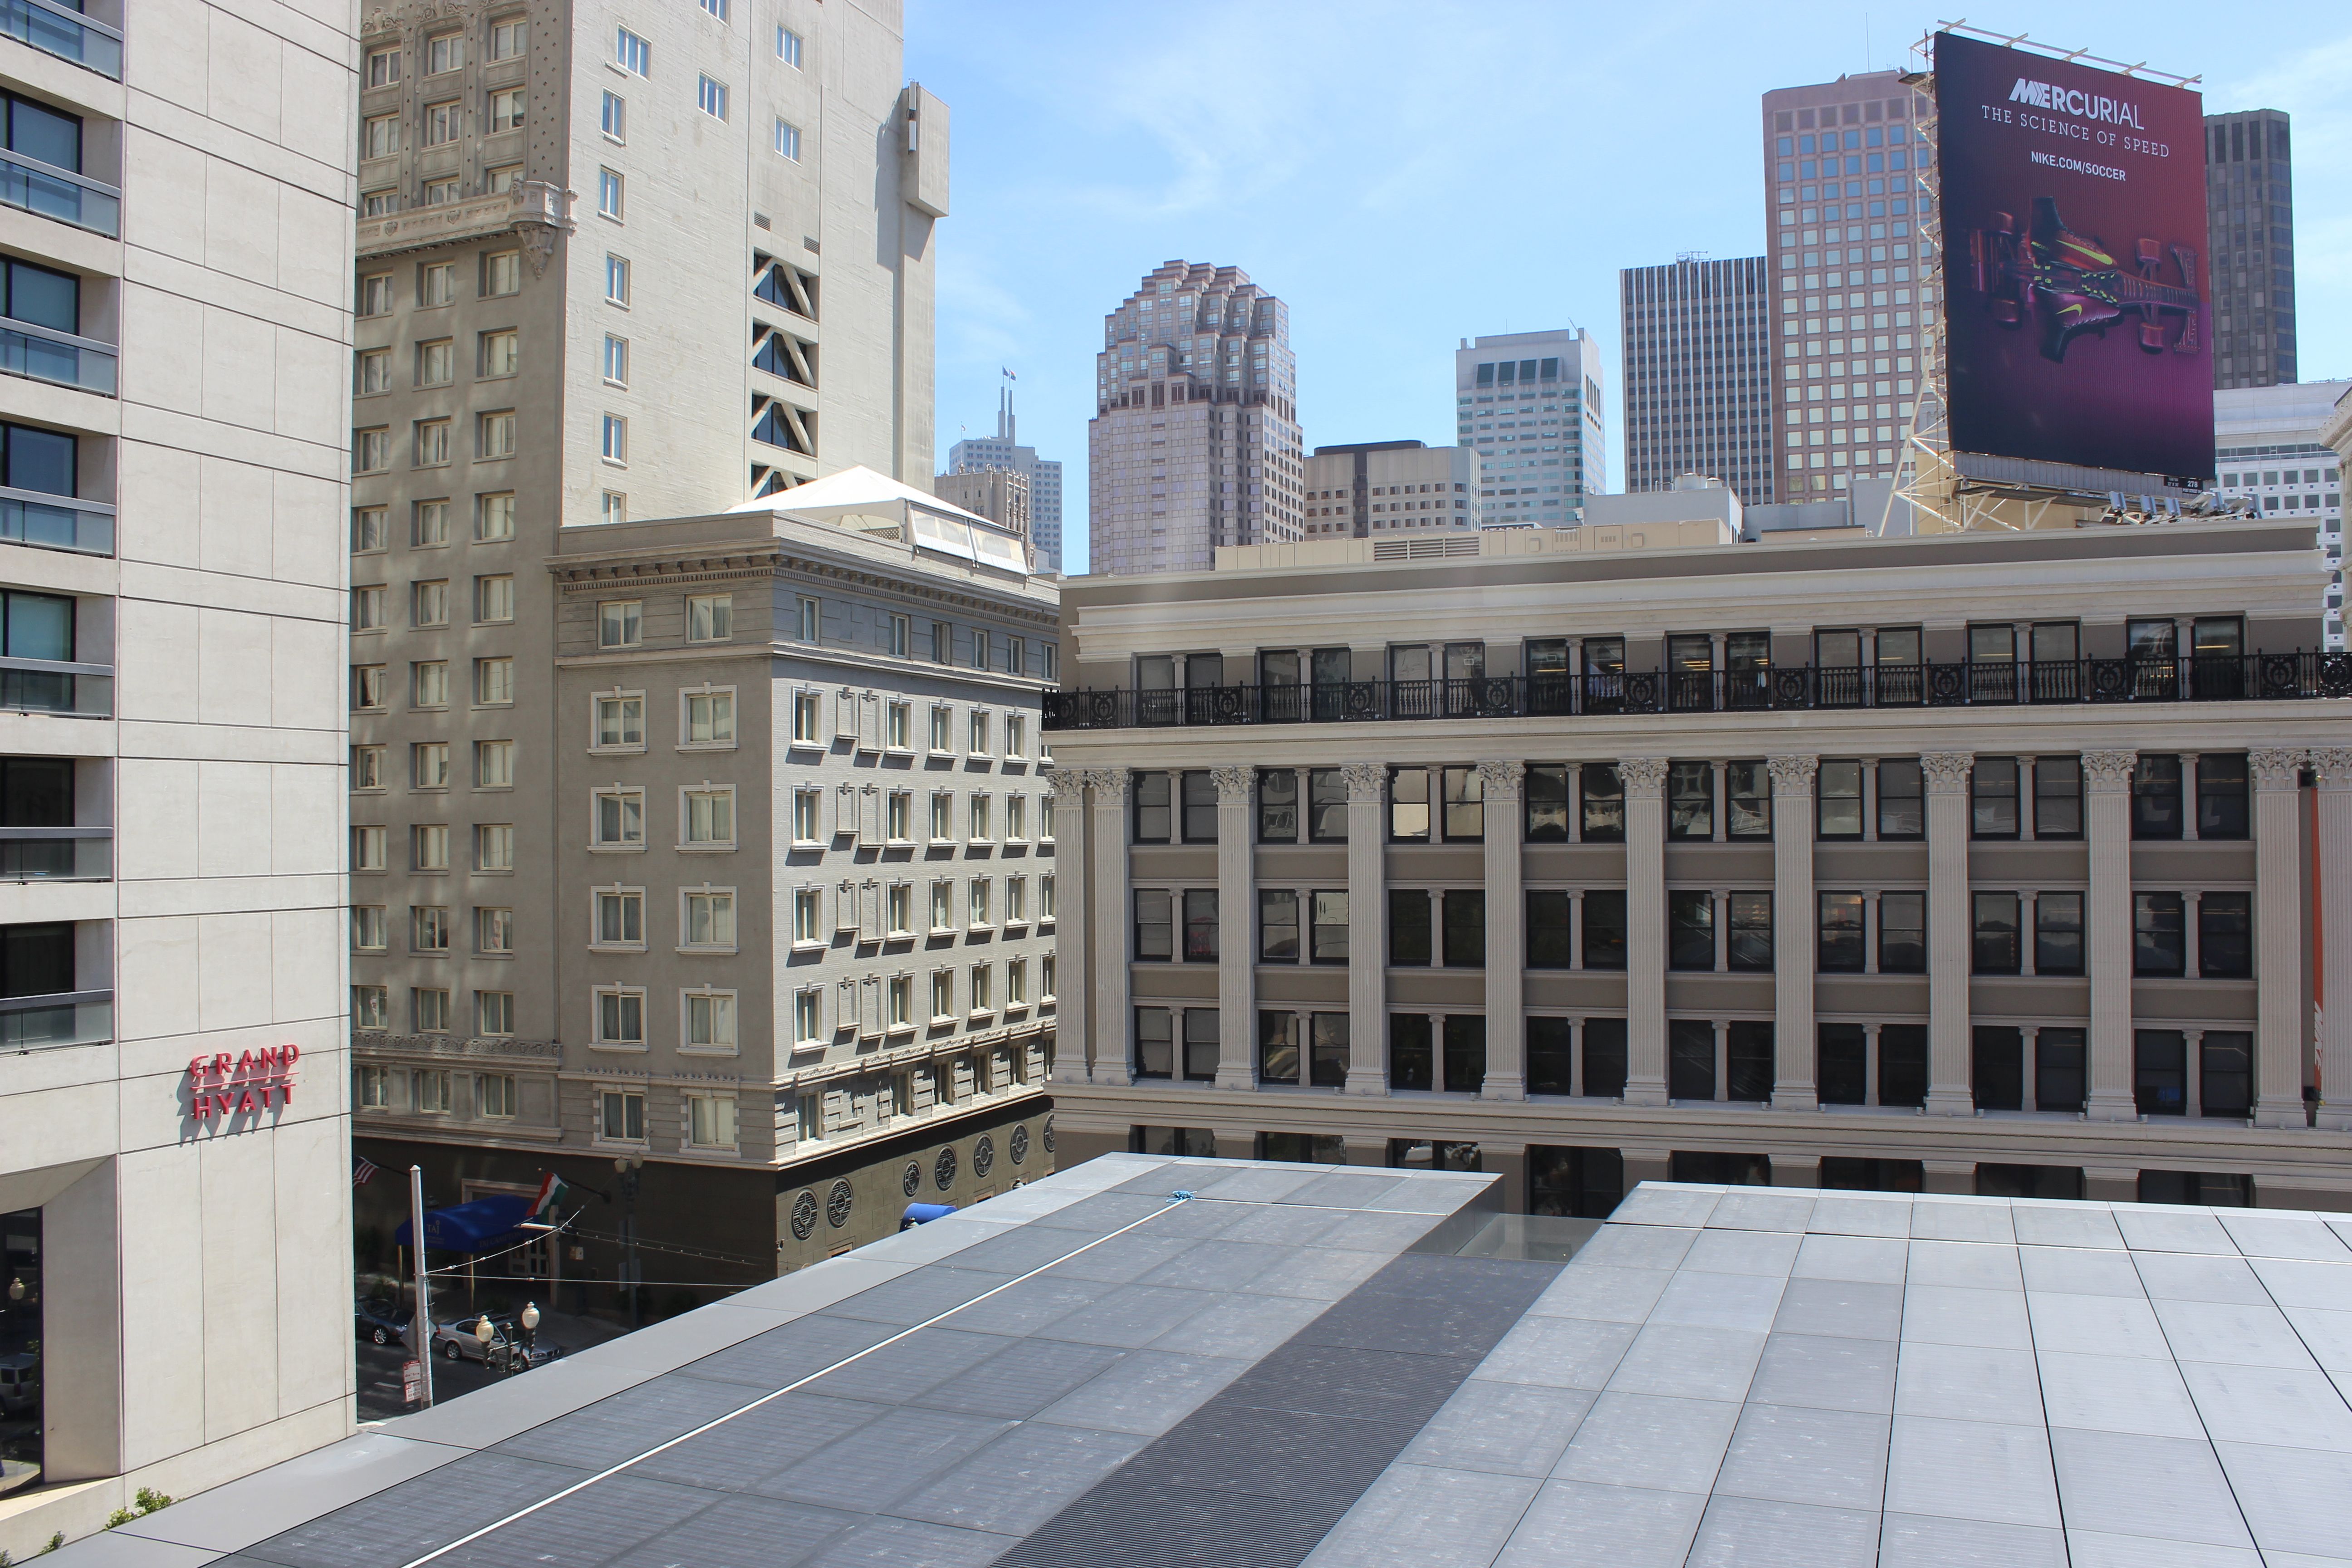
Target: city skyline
1287	178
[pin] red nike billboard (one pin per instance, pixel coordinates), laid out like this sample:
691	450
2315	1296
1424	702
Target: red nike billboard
2076	302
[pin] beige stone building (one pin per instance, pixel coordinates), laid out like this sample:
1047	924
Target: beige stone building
1986	862
174	1149
1390	486
999	495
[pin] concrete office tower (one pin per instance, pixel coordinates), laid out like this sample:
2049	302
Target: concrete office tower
174	1144
1842	212
1195	442
999	495
1584	867
1378	487
1004	450
522	367
2268	446
1698	373
1530	403
2249	205
800	913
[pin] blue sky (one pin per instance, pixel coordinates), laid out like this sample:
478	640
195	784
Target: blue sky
1404	175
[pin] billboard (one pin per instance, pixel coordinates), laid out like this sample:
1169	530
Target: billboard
2077	305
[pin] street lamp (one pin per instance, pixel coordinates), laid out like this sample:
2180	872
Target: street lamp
484	1332
529	1329
630	1166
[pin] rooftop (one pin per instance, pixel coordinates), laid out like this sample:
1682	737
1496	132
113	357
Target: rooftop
1143	1361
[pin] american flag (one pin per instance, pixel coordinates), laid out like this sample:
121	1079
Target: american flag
360	1171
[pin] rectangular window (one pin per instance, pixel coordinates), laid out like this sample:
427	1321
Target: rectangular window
1902	799
1154	808
2058	1071
368	849
367	767
1549	937
2225	936
437	283
788	139
1155	926
614	118
1412	1051
1409	805
1465	1053
709	920
1752	933
1277	1048
1903	933
620	719
1842	943
808	620
710	718
787	46
806	806
616	281
620	623
978	738
2156	797
1605	929
978	649
428	928
1200	790
616	439
807	720
1277	805
2222	799
429	1087
493	600
370	530
1465	806
2225	1074
1155	1042
620	818
444	123
494	764
2057	797
1995	918
1326	806
494	847
1747	800
1690	1059
622	1115
501	273
1546	786
494	682
371	372
1464	915
709	617
1992	790
494	930
383	67
2058	933
1998	1068
1748	1062
2160	934
1201	1044
1603	818
370	928
710	97
1199	925
2160	1072
1328	927
510	38
710	818
1844	1064
620	918
430	760
808	1012
1551	1058
1690	930
632	53
1410	936
1690	801
710	1120
507	106
431	443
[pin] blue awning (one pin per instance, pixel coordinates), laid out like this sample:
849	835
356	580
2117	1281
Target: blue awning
923	1213
483	1225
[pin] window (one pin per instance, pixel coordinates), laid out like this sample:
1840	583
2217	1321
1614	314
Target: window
1412	1051
620	719
979	647
2156	797
1410	936
1465	804
1016	818
369	686
429	1087
614	118
1199	791
430	760
620	820
1277	805
2225	1074
1992	790
370	450
709	617
1199	925
1465	914
494	764
1546	787
981	833
367	608
370	371
983	989
367	767
501	273
899	1002
1155	926
1155	1042
616	439
1903	933
436	363
979	732
1154	811
1690	801
509	37
437	283
620	918
431	443
1902	799
787	46
2225	936
942	817
1278	925
1016	735
632	53
808	620
616	281
444	52
788	139
429	846
444	123
2160	1072
1017	655
1998	1068
1690	1059
370	928
709	919
494	930
438	192
383	67
806	805
428	524
428	602
1841	950
1837	788
1326	806
897	726
2058	1073
621	1114
493	600
370	529
1605	929
710	97
2057	797
375	294
494	682
502	355
807	718
368	852
494	516
899	907
1201	1044
1466	1054
1747	800
507	106
2058	933
620	623
710	718
942	642
1603	802
1995	919
2159	939
1690	930
808	1010
710	1120
943	905
2221	796
709	818
1409	805
494	847
1751	934
808	929
428	928
1549	937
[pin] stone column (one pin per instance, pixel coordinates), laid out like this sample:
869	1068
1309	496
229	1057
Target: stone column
1074	1035
1949	929
1794	948
1645	931
2334	856
1506	943
1108	882
1367	924
2106	783
2029	1066
1237	932
1948	1175
2278	945
2192	919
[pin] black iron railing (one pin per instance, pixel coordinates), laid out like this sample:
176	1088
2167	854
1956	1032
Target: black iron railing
2261	677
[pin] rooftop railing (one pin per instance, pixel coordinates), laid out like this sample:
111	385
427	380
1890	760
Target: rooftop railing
2263	677
56	522
56	853
54	686
64	1018
59	30
44	353
47	191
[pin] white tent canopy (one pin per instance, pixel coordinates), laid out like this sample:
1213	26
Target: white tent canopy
859	499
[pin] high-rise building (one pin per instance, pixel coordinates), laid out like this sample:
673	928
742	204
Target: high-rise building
1844	252
176	1265
2267	444
1004	450
1195	442
1697	339
1379	487
522	368
1530	403
999	495
2250	204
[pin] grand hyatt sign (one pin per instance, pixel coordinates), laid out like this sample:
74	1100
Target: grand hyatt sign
221	1086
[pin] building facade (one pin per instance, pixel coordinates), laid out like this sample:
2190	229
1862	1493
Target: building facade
1697	376
2250	208
2268	446
1004	450
800	912
1195	443
174	1139
1529	404
999	495
2007	890
1850	281
1380	486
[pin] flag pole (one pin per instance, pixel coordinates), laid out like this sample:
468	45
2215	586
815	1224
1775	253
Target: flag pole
420	1324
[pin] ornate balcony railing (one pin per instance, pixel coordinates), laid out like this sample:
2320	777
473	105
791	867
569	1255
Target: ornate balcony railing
2261	677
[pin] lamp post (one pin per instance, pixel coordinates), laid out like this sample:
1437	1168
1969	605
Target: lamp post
630	1169
529	1331
484	1332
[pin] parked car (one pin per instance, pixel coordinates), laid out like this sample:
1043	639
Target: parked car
382	1321
20	1384
505	1352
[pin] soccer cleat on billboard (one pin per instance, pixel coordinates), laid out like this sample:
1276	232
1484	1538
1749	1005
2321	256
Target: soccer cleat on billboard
2071	284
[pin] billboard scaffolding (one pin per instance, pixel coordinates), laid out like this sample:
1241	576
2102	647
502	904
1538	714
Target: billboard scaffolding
2060	372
